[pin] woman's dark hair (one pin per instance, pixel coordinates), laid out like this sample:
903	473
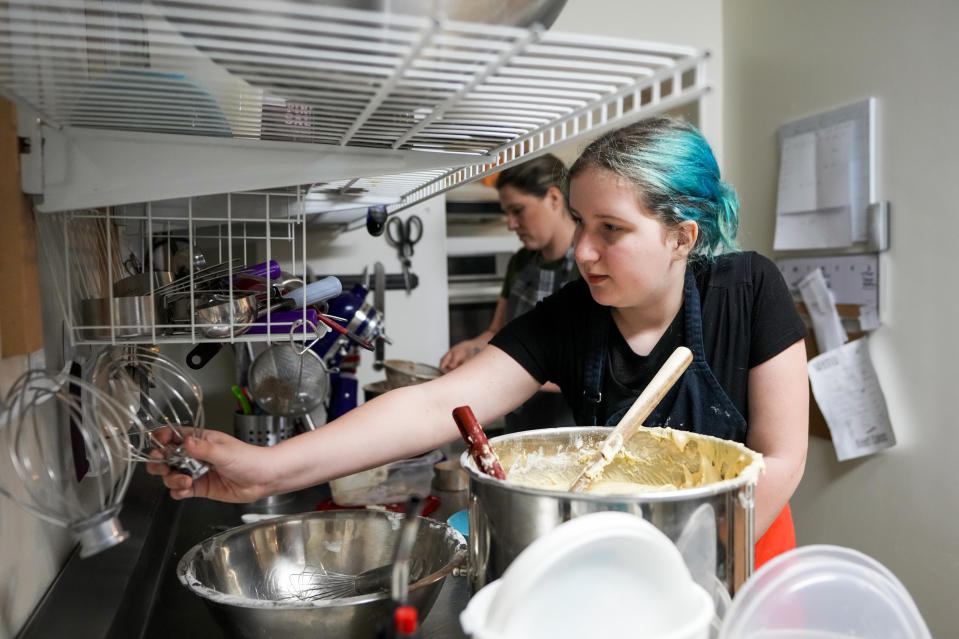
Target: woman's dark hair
535	176
672	168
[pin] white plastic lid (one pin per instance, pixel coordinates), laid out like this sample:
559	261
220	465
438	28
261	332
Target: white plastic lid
823	592
605	574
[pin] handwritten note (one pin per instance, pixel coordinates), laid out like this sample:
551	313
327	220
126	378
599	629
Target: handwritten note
847	390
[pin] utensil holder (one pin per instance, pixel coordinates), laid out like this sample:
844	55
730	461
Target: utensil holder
263	430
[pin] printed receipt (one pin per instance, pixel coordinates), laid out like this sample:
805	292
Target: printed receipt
847	390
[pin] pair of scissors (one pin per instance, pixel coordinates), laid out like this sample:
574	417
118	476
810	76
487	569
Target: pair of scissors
403	236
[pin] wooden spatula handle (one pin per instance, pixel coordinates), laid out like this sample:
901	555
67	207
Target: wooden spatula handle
476	442
654	392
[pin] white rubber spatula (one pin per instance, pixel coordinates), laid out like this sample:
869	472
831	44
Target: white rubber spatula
654	392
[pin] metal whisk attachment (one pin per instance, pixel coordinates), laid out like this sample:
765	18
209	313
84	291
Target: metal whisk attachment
159	393
71	469
319	584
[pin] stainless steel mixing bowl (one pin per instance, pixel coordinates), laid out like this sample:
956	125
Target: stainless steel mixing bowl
712	524
400	372
251	576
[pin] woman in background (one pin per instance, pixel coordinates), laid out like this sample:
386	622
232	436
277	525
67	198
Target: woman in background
532	198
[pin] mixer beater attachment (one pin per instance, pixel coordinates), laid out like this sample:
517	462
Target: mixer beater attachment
158	393
72	469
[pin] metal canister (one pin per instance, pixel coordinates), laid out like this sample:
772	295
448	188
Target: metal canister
712	525
264	430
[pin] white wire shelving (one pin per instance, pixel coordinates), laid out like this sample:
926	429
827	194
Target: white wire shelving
89	253
128	101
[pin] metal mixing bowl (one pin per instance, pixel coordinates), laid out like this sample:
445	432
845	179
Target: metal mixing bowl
505	517
249	576
400	372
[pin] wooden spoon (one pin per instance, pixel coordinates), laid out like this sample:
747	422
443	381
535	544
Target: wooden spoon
654	392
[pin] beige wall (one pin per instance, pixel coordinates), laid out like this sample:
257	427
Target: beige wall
792	58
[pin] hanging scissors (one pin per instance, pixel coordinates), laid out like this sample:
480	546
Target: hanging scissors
403	236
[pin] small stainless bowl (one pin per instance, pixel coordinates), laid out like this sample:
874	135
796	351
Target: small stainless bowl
450	475
250	576
400	372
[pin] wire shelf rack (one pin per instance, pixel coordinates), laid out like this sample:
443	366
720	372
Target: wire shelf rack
209	250
442	102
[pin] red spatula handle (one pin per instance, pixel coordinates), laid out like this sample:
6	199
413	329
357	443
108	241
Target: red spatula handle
476	442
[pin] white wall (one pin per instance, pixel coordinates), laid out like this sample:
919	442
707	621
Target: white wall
695	23
792	58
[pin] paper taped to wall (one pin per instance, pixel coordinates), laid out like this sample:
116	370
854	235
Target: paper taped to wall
822	310
847	391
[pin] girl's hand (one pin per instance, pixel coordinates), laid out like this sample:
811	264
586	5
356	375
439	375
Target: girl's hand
238	474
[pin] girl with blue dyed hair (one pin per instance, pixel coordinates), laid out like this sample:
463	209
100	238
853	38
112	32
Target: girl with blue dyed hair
655	245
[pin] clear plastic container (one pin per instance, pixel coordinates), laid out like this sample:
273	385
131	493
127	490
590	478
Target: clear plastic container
387	484
823	592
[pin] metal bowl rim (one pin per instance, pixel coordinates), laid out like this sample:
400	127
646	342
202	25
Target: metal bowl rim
215	596
680	494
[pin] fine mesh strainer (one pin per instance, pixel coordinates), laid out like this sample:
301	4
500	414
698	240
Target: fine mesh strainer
289	381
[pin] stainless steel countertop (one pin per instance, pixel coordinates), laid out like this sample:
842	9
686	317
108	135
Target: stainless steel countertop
132	591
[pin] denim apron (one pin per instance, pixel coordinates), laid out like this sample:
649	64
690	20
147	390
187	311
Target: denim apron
696	403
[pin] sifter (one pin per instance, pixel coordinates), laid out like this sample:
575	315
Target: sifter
289	381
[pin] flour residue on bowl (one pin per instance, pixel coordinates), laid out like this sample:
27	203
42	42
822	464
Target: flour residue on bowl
654	459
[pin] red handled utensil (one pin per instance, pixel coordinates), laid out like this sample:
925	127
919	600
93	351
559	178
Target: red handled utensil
476	442
339	329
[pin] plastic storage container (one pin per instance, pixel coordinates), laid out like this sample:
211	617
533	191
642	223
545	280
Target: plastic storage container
823	592
605	574
387	484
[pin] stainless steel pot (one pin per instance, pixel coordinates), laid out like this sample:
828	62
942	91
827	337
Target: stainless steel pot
133	316
140	283
712	525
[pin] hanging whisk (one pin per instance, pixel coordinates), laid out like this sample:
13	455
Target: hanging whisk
71	469
159	394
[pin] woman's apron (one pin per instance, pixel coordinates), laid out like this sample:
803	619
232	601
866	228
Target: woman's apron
696	403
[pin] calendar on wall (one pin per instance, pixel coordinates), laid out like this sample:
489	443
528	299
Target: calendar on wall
826	179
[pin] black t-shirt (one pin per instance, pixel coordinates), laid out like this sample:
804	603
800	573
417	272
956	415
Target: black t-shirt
748	317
